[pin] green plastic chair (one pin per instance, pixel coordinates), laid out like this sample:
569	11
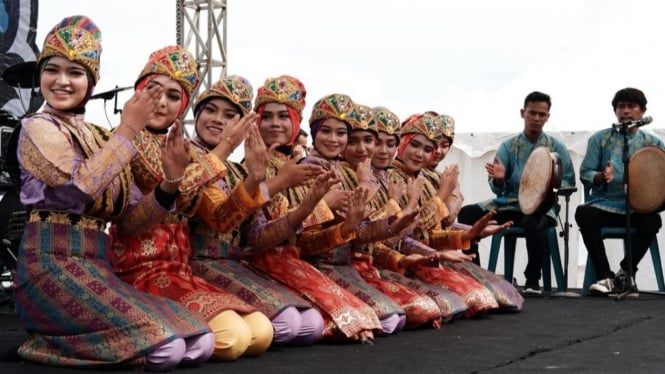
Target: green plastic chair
509	238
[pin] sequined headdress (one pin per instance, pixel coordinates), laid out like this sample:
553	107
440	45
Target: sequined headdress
387	121
284	89
447	126
77	39
424	124
337	106
234	88
175	62
362	118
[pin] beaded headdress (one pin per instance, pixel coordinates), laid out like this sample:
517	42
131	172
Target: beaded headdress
234	88
284	89
387	121
175	62
447	126
77	39
424	124
337	106
362	118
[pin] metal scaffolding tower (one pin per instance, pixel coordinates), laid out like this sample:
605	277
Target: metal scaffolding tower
201	29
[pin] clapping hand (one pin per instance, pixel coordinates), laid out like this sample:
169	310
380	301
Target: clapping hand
175	157
233	134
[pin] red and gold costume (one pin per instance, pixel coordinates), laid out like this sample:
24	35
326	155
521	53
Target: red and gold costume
275	249
428	230
157	260
504	292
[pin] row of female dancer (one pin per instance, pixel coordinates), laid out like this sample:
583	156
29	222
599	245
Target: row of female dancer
209	259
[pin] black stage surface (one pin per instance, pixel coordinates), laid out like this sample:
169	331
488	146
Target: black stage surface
573	335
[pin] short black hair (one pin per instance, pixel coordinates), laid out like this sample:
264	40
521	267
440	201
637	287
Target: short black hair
630	95
537	96
303	133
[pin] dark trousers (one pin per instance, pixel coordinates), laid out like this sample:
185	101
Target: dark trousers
591	220
534	233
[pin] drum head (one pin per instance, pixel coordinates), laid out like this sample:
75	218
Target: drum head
647	180
535	185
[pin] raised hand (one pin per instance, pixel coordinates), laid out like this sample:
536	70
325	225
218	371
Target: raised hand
319	187
256	155
414	189
448	181
396	190
364	170
338	199
233	134
357	209
321	184
138	109
295	174
174	153
496	171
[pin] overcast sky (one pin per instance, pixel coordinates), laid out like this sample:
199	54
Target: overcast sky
472	59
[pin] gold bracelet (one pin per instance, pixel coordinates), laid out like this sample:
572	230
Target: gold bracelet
173	181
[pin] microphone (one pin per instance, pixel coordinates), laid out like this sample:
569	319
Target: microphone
633	124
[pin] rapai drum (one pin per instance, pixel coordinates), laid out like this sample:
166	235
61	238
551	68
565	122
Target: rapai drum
647	180
540	178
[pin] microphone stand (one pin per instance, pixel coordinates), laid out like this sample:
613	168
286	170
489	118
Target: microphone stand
624	128
566	192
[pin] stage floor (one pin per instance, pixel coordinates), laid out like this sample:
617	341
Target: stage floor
580	335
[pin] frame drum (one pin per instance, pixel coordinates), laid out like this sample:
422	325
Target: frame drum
647	180
541	176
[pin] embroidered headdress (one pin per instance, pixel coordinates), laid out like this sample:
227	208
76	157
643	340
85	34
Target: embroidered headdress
447	126
362	118
337	106
77	39
387	121
284	89
424	124
175	62
233	88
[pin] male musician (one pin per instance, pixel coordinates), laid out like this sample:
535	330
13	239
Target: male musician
602	171
505	173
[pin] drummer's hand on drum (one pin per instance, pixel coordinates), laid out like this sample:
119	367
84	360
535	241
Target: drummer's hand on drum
448	181
496	171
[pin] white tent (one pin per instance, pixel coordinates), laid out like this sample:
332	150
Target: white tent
472	150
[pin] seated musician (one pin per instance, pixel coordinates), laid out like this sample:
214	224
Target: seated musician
504	175
602	169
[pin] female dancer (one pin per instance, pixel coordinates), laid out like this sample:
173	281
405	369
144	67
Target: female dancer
215	236
76	178
419	138
157	260
292	224
504	292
